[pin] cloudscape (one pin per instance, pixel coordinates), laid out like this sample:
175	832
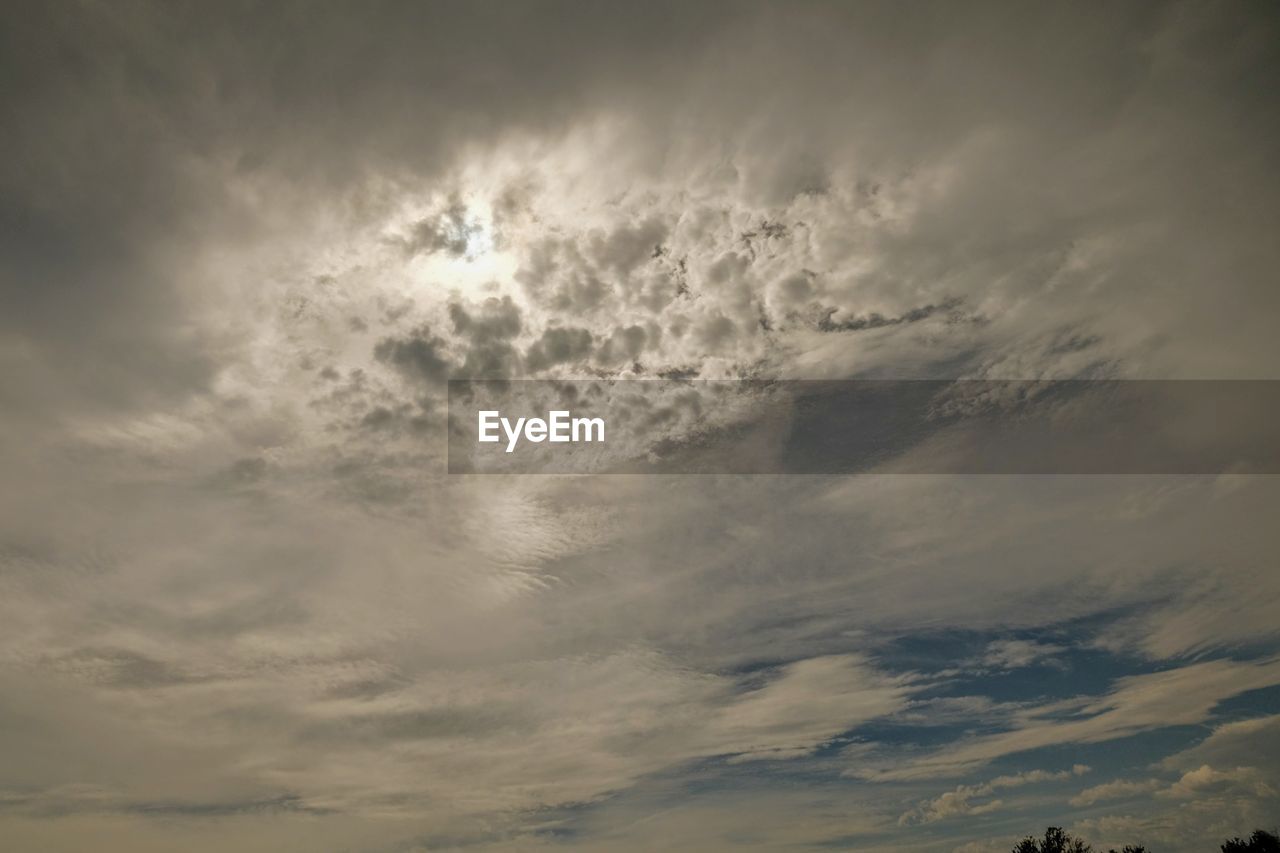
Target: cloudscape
252	600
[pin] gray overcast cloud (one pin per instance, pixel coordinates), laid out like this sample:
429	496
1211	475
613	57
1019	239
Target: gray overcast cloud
243	247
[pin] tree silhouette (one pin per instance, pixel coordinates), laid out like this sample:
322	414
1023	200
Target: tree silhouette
1055	841
1260	842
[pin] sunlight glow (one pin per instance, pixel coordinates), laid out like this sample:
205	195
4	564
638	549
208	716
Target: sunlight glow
462	255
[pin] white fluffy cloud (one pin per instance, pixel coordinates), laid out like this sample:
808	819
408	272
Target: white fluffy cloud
960	801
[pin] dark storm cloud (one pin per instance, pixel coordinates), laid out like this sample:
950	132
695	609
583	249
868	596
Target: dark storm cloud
559	346
399	417
419	355
496	319
486	352
490	360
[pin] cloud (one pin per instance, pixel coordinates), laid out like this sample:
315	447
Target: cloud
497	319
242	249
811	702
419	355
1205	779
559	346
628	246
1182	696
449	231
1014	654
826	321
1118	789
1235	743
961	800
81	799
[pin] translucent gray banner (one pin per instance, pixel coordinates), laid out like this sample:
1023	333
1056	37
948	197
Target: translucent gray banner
864	426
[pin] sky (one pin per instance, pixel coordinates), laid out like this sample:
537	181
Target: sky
244	247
